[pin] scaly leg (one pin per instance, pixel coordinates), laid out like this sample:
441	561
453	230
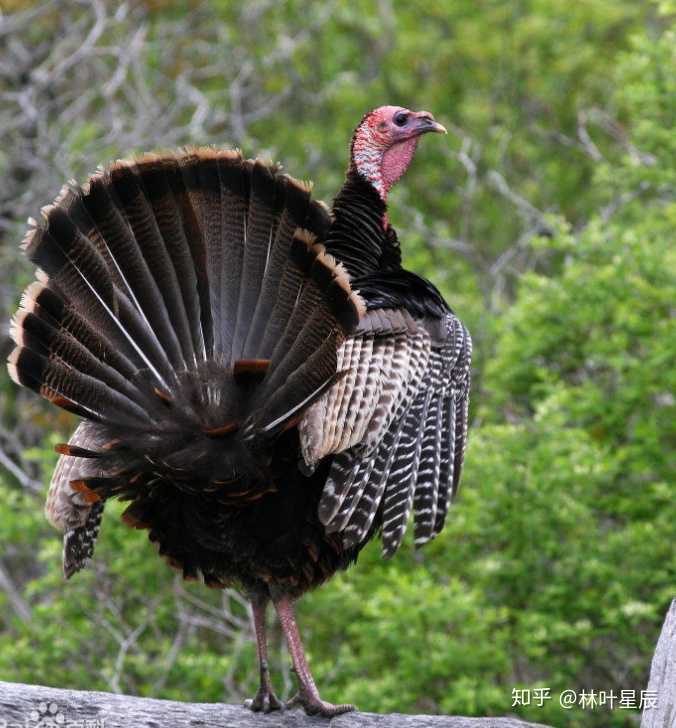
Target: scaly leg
265	699
308	695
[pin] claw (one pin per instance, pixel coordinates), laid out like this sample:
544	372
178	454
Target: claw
264	702
317	706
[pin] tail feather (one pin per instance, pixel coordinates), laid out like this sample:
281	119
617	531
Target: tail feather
303	385
203	196
63	252
310	322
235	188
54	379
145	340
156	174
35	332
140	285
173	331
192	229
74	269
297	341
290	284
71	201
263	216
186	306
297	203
140	302
38	298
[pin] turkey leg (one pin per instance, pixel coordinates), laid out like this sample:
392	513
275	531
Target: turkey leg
265	699
308	695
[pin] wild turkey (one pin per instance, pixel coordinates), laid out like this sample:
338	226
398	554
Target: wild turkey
259	377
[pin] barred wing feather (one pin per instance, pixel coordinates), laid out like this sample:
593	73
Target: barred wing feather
396	426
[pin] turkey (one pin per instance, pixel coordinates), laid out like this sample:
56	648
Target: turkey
257	376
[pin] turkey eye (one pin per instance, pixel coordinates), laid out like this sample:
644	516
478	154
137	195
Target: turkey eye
400	118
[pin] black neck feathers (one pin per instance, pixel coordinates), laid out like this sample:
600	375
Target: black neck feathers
357	236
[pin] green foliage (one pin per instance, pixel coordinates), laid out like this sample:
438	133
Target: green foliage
556	565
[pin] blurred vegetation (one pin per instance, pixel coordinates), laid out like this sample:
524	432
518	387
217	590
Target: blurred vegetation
547	217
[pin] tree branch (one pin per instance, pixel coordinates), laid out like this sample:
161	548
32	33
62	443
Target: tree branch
13	595
19	703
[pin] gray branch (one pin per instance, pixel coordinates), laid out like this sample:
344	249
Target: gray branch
22	703
14	597
23	477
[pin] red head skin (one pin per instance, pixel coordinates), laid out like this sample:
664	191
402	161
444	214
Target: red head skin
384	143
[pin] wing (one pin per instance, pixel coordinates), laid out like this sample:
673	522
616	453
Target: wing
68	506
396	424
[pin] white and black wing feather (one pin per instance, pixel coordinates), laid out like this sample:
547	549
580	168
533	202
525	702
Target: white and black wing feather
396	425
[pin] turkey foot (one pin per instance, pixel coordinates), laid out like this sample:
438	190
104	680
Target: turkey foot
308	695
312	704
265	701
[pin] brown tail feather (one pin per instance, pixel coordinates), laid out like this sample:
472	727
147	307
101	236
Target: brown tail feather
294	214
189	308
173	329
155	176
235	177
261	223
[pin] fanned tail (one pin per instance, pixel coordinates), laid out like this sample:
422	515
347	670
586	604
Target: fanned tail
186	307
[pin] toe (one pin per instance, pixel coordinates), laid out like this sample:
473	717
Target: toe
264	702
328	710
271	702
319	707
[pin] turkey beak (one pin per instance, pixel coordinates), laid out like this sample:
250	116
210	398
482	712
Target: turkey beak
425	123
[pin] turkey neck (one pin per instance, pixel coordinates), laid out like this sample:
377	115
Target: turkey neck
360	235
